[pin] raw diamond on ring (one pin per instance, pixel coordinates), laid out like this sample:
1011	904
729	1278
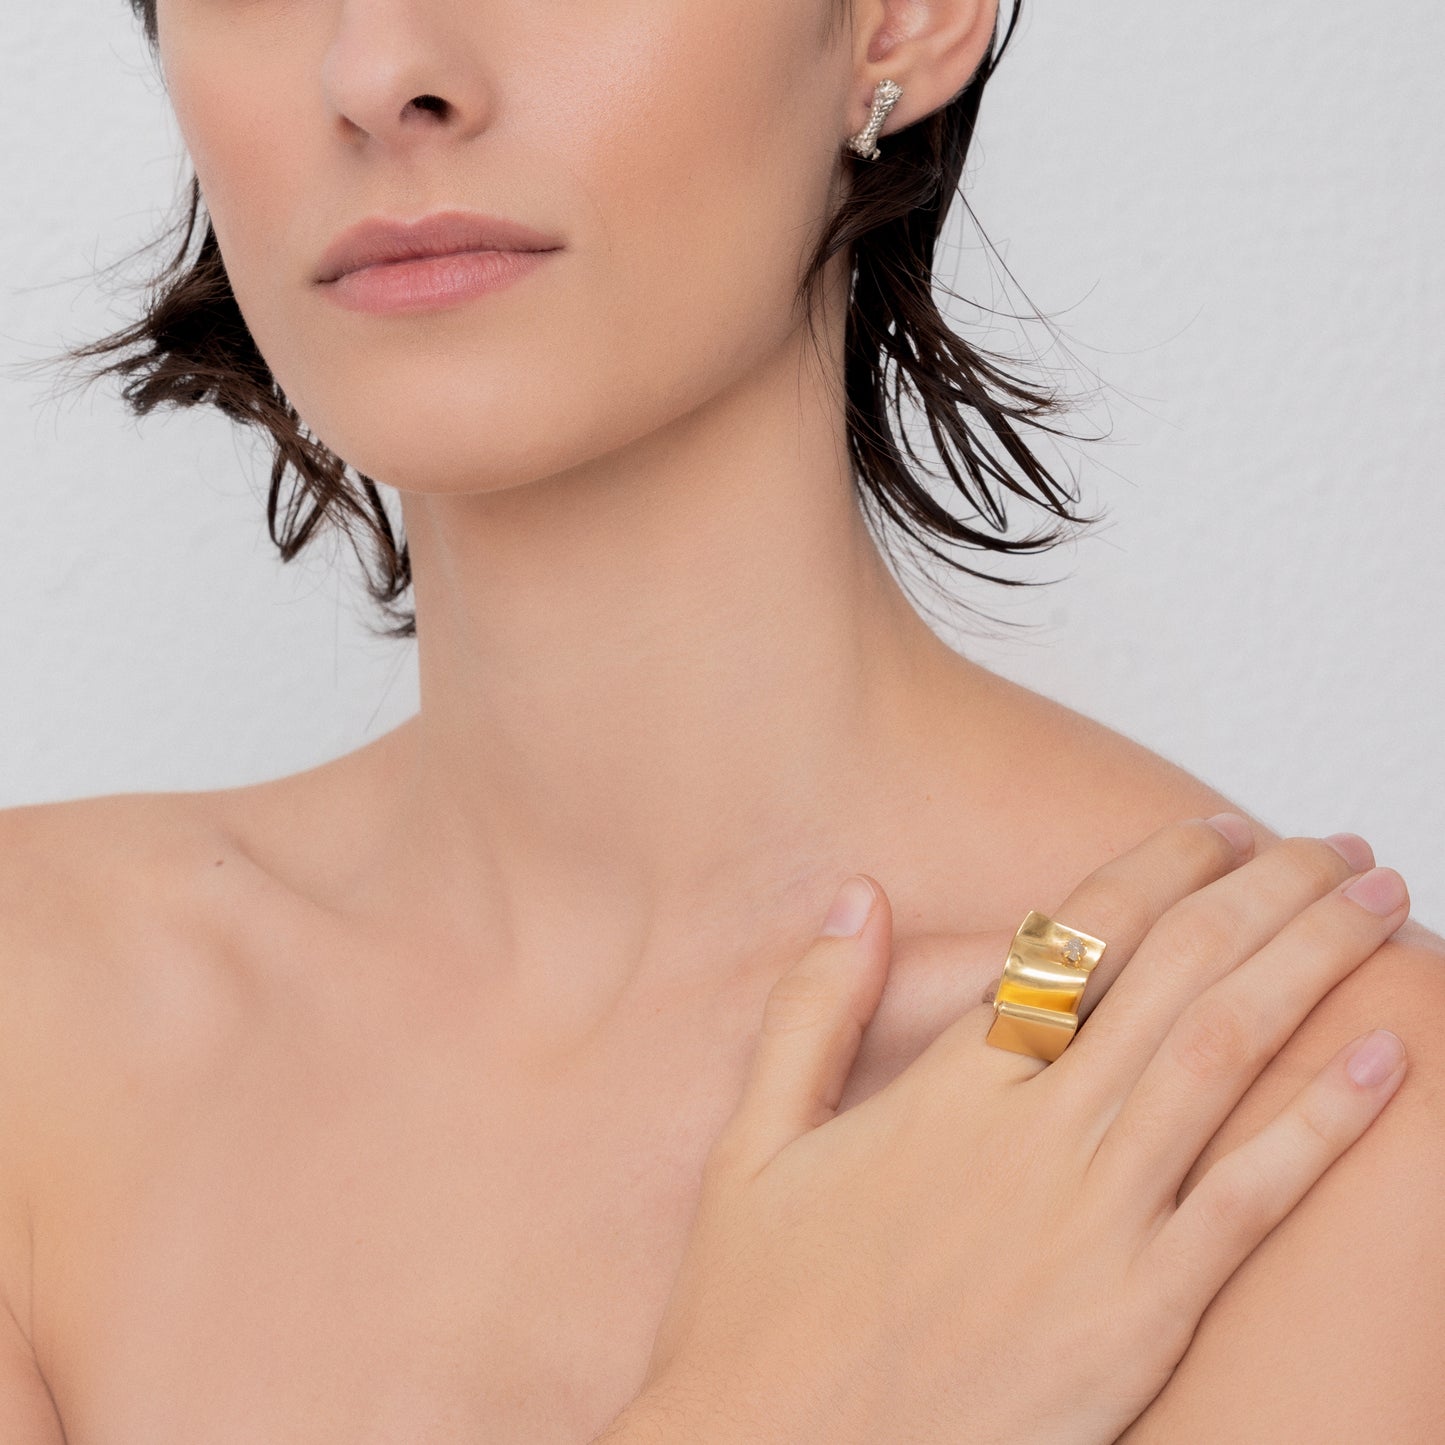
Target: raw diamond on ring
1074	951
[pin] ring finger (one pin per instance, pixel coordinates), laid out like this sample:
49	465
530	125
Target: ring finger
1221	1043
1120	901
1197	942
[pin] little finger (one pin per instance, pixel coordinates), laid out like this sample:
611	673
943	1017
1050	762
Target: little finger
1241	1198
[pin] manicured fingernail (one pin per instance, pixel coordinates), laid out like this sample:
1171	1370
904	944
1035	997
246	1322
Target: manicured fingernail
1375	1058
1235	829
850	910
1353	849
1381	890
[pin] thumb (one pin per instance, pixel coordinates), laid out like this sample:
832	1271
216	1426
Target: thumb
813	1024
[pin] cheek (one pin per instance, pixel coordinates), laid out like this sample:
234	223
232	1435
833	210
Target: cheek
250	126
717	171
226	105
704	159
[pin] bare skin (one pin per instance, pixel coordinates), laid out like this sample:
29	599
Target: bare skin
368	1104
303	1176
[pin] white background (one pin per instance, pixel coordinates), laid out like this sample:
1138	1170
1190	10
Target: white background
1233	215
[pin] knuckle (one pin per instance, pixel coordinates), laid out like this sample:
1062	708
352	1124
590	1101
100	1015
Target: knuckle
1213	1040
1198	835
1313	860
1167	1310
1231	1204
1332	928
1201	929
1320	1128
1119	899
798	1000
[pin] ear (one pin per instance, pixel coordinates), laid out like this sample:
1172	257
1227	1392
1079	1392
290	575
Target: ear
932	48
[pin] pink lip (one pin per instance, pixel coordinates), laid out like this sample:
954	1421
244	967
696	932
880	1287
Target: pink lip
430	282
385	266
379	240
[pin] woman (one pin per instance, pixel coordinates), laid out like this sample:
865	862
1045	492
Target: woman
383	1116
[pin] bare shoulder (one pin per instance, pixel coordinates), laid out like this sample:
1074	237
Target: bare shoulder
119	977
119	921
91	886
106	948
109	1001
144	935
1110	792
1332	1329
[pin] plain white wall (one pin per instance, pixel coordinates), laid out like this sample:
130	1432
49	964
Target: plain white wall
1234	216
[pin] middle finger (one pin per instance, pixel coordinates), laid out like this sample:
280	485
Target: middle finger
1193	944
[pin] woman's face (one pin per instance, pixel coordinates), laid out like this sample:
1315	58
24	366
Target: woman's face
683	152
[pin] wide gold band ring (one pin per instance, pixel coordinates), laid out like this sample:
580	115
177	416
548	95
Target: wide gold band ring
1036	1001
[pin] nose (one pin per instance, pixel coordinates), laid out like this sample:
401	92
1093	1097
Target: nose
398	71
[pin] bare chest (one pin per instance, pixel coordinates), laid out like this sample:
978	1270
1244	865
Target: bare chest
354	1226
379	1261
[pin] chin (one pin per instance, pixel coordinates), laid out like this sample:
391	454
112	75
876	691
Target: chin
434	455
425	442
425	460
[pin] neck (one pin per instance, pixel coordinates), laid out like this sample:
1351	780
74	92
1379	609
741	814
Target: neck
659	693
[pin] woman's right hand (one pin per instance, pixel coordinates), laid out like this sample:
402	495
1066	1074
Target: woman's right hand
991	1248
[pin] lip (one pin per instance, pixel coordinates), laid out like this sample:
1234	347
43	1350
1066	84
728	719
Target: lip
430	283
379	240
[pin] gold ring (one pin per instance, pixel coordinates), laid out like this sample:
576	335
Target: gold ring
1036	1000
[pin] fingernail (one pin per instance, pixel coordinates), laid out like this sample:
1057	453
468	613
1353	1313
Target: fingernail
1353	849
1381	890
850	910
1235	829
1375	1058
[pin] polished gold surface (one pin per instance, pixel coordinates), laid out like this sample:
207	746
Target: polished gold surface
1036	1003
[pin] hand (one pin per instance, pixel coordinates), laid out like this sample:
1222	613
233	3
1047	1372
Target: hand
991	1248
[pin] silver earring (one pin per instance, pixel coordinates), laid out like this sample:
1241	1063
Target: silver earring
885	97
